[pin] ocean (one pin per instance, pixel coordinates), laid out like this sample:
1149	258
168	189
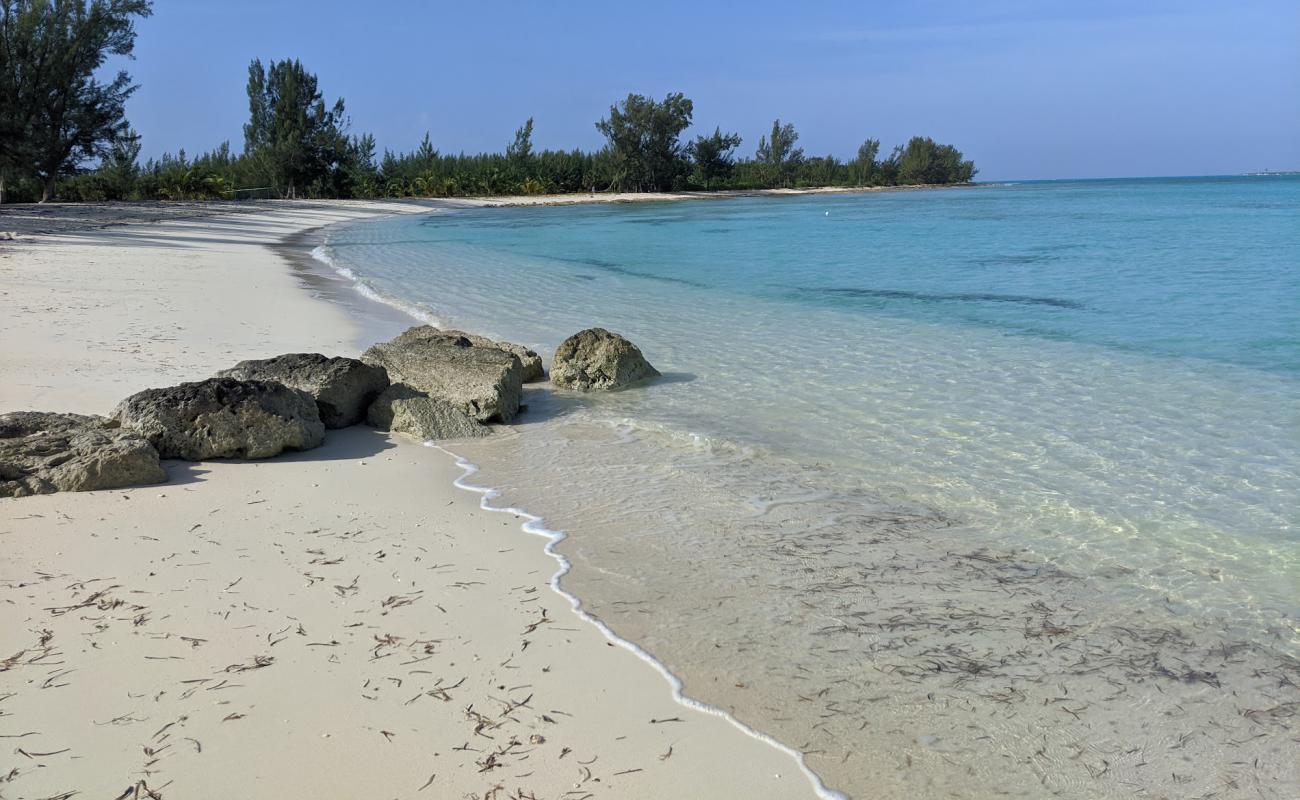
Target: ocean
987	491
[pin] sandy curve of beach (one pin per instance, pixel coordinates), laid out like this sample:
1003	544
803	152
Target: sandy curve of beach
334	624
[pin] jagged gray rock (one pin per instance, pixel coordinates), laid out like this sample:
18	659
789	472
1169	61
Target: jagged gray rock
484	382
402	409
223	418
342	387
598	360
43	452
534	367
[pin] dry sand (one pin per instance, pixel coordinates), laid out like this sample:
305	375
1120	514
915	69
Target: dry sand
335	624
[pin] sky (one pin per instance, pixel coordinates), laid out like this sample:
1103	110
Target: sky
1027	89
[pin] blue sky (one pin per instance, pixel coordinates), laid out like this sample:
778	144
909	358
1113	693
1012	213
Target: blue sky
1027	89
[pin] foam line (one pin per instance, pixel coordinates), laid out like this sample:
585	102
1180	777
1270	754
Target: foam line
534	526
322	254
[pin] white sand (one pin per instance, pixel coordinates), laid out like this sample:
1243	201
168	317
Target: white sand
341	623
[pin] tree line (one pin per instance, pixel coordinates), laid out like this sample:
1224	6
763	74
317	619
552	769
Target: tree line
64	134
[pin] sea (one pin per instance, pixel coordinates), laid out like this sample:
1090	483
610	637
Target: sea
990	491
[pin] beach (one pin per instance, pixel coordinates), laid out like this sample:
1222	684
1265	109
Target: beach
337	623
933	554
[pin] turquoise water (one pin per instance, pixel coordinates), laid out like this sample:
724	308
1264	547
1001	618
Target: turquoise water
990	429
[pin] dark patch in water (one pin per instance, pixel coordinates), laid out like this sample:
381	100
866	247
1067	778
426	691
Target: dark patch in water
610	266
945	297
651	276
591	262
1020	258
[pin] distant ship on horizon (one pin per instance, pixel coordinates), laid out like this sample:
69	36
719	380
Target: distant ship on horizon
1270	172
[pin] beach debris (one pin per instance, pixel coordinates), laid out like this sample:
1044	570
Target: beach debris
258	662
401	409
138	791
484	382
599	360
43	452
343	388
223	418
533	626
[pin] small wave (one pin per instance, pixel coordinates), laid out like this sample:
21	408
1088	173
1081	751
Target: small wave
418	313
534	525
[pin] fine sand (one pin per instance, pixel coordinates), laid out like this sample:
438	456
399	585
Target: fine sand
341	623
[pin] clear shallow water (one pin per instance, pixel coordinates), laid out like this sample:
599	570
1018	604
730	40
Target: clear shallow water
927	467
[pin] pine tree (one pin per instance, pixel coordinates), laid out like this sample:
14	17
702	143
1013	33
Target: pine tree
296	139
713	155
55	114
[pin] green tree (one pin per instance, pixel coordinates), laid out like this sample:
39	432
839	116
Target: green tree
296	138
714	156
923	161
521	149
360	173
779	155
426	155
55	114
644	141
121	167
866	166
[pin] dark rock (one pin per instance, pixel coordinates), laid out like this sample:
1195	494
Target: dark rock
342	387
598	360
223	418
484	382
43	452
402	409
534	368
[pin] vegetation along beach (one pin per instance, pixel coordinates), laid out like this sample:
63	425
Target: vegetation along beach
362	448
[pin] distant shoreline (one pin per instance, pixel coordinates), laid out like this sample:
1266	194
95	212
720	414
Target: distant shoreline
27	219
576	198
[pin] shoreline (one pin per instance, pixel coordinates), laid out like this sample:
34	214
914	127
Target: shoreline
335	285
376	319
584	198
28	220
365	501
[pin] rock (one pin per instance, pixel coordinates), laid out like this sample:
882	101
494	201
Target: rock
484	382
534	369
343	387
223	418
42	452
402	409
596	359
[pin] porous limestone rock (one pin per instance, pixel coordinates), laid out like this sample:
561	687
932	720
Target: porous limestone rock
402	409
43	452
484	382
223	418
599	360
342	387
534	368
